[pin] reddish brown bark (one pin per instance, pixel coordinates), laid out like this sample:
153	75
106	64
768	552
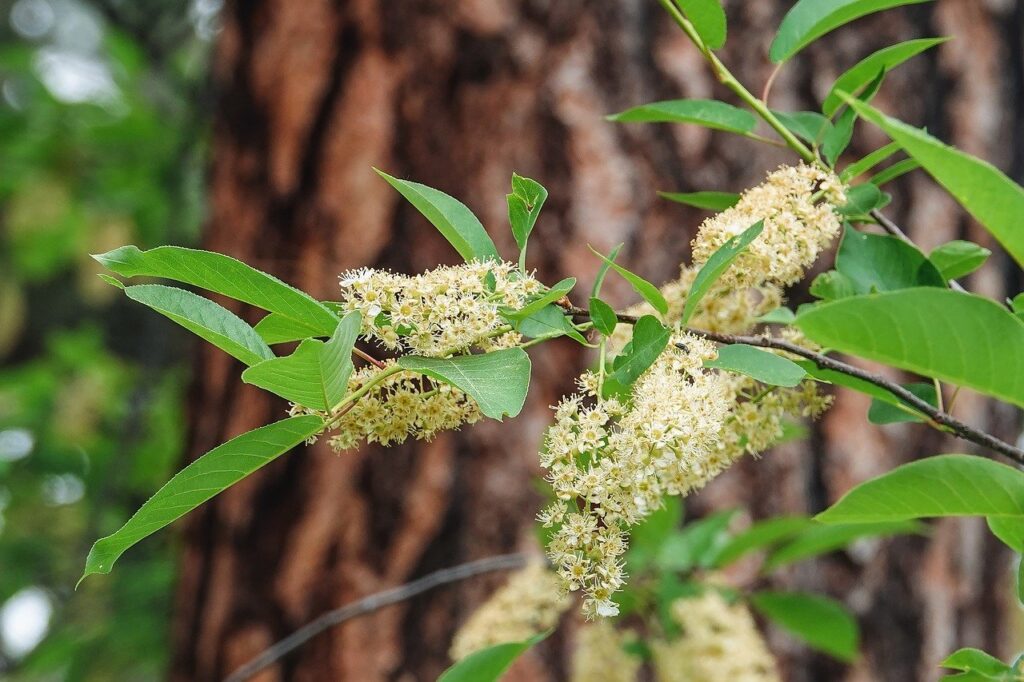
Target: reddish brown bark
459	95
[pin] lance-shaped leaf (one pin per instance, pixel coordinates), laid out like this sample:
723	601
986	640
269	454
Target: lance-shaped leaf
223	275
996	201
450	216
820	622
708	18
961	338
717	264
316	374
944	485
274	328
808	20
488	665
218	469
705	112
861	73
708	200
768	368
648	291
820	539
497	381
204	318
555	293
868	162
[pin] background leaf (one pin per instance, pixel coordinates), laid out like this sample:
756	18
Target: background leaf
821	539
761	535
711	201
488	665
768	368
705	112
822	623
717	264
497	381
697	544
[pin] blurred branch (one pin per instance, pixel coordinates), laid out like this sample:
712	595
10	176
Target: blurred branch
372	603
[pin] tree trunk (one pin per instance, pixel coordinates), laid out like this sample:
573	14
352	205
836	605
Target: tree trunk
459	95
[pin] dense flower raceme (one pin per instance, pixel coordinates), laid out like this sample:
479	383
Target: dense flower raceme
529	603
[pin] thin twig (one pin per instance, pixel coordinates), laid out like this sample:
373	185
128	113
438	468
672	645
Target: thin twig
945	419
372	603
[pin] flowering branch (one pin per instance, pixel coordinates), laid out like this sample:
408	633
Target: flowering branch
936	415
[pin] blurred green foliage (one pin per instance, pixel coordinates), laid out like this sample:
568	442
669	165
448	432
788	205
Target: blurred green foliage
103	111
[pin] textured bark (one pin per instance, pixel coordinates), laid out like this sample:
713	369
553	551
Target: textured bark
458	95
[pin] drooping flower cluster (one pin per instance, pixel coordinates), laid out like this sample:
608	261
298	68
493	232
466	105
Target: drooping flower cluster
440	312
719	641
797	227
600	655
610	463
529	603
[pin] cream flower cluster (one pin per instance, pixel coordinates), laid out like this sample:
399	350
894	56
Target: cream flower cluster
600	655
529	603
720	641
797	205
400	406
440	312
610	463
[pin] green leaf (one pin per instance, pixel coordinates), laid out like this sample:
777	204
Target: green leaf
768	368
223	275
873	262
708	18
952	336
839	379
861	199
882	411
524	205
975	660
647	538
711	201
1020	580
488	665
497	381
807	125
865	164
603	316
218	469
717	264
822	623
603	271
808	20
958	258
648	291
450	216
894	171
697	545
649	339
780	315
996	201
204	318
943	485
706	112
866	69
547	323
1009	529
316	374
832	285
761	535
274	328
822	539
555	293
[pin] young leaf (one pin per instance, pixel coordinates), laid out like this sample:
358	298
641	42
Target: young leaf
977	661
706	112
808	125
711	201
647	291
555	293
603	316
218	469
822	539
943	485
717	264
204	318
808	20
862	166
958	258
884	412
602	271
497	381
547	323
873	262
275	328
649	339
697	544
708	18
223	275
822	623
863	71
996	201
488	665
524	205
952	336
768	368
761	535
450	216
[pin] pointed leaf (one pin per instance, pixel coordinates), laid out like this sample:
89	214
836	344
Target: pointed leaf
524	205
768	368
822	623
858	168
975	660
648	291
705	112
894	171
603	316
717	264
958	258
555	293
488	665
497	381
822	539
711	201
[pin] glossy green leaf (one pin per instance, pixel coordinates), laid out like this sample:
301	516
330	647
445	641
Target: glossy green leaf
450	216
808	20
874	262
715	266
708	18
711	201
555	293
223	275
697	545
807	125
497	381
1009	529
761	535
882	411
218	469
958	258
547	323
822	539
861	73
650	338
647	291
943	485
274	328
996	201
204	318
524	205
488	665
603	316
705	112
858	168
956	337
824	624
768	368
